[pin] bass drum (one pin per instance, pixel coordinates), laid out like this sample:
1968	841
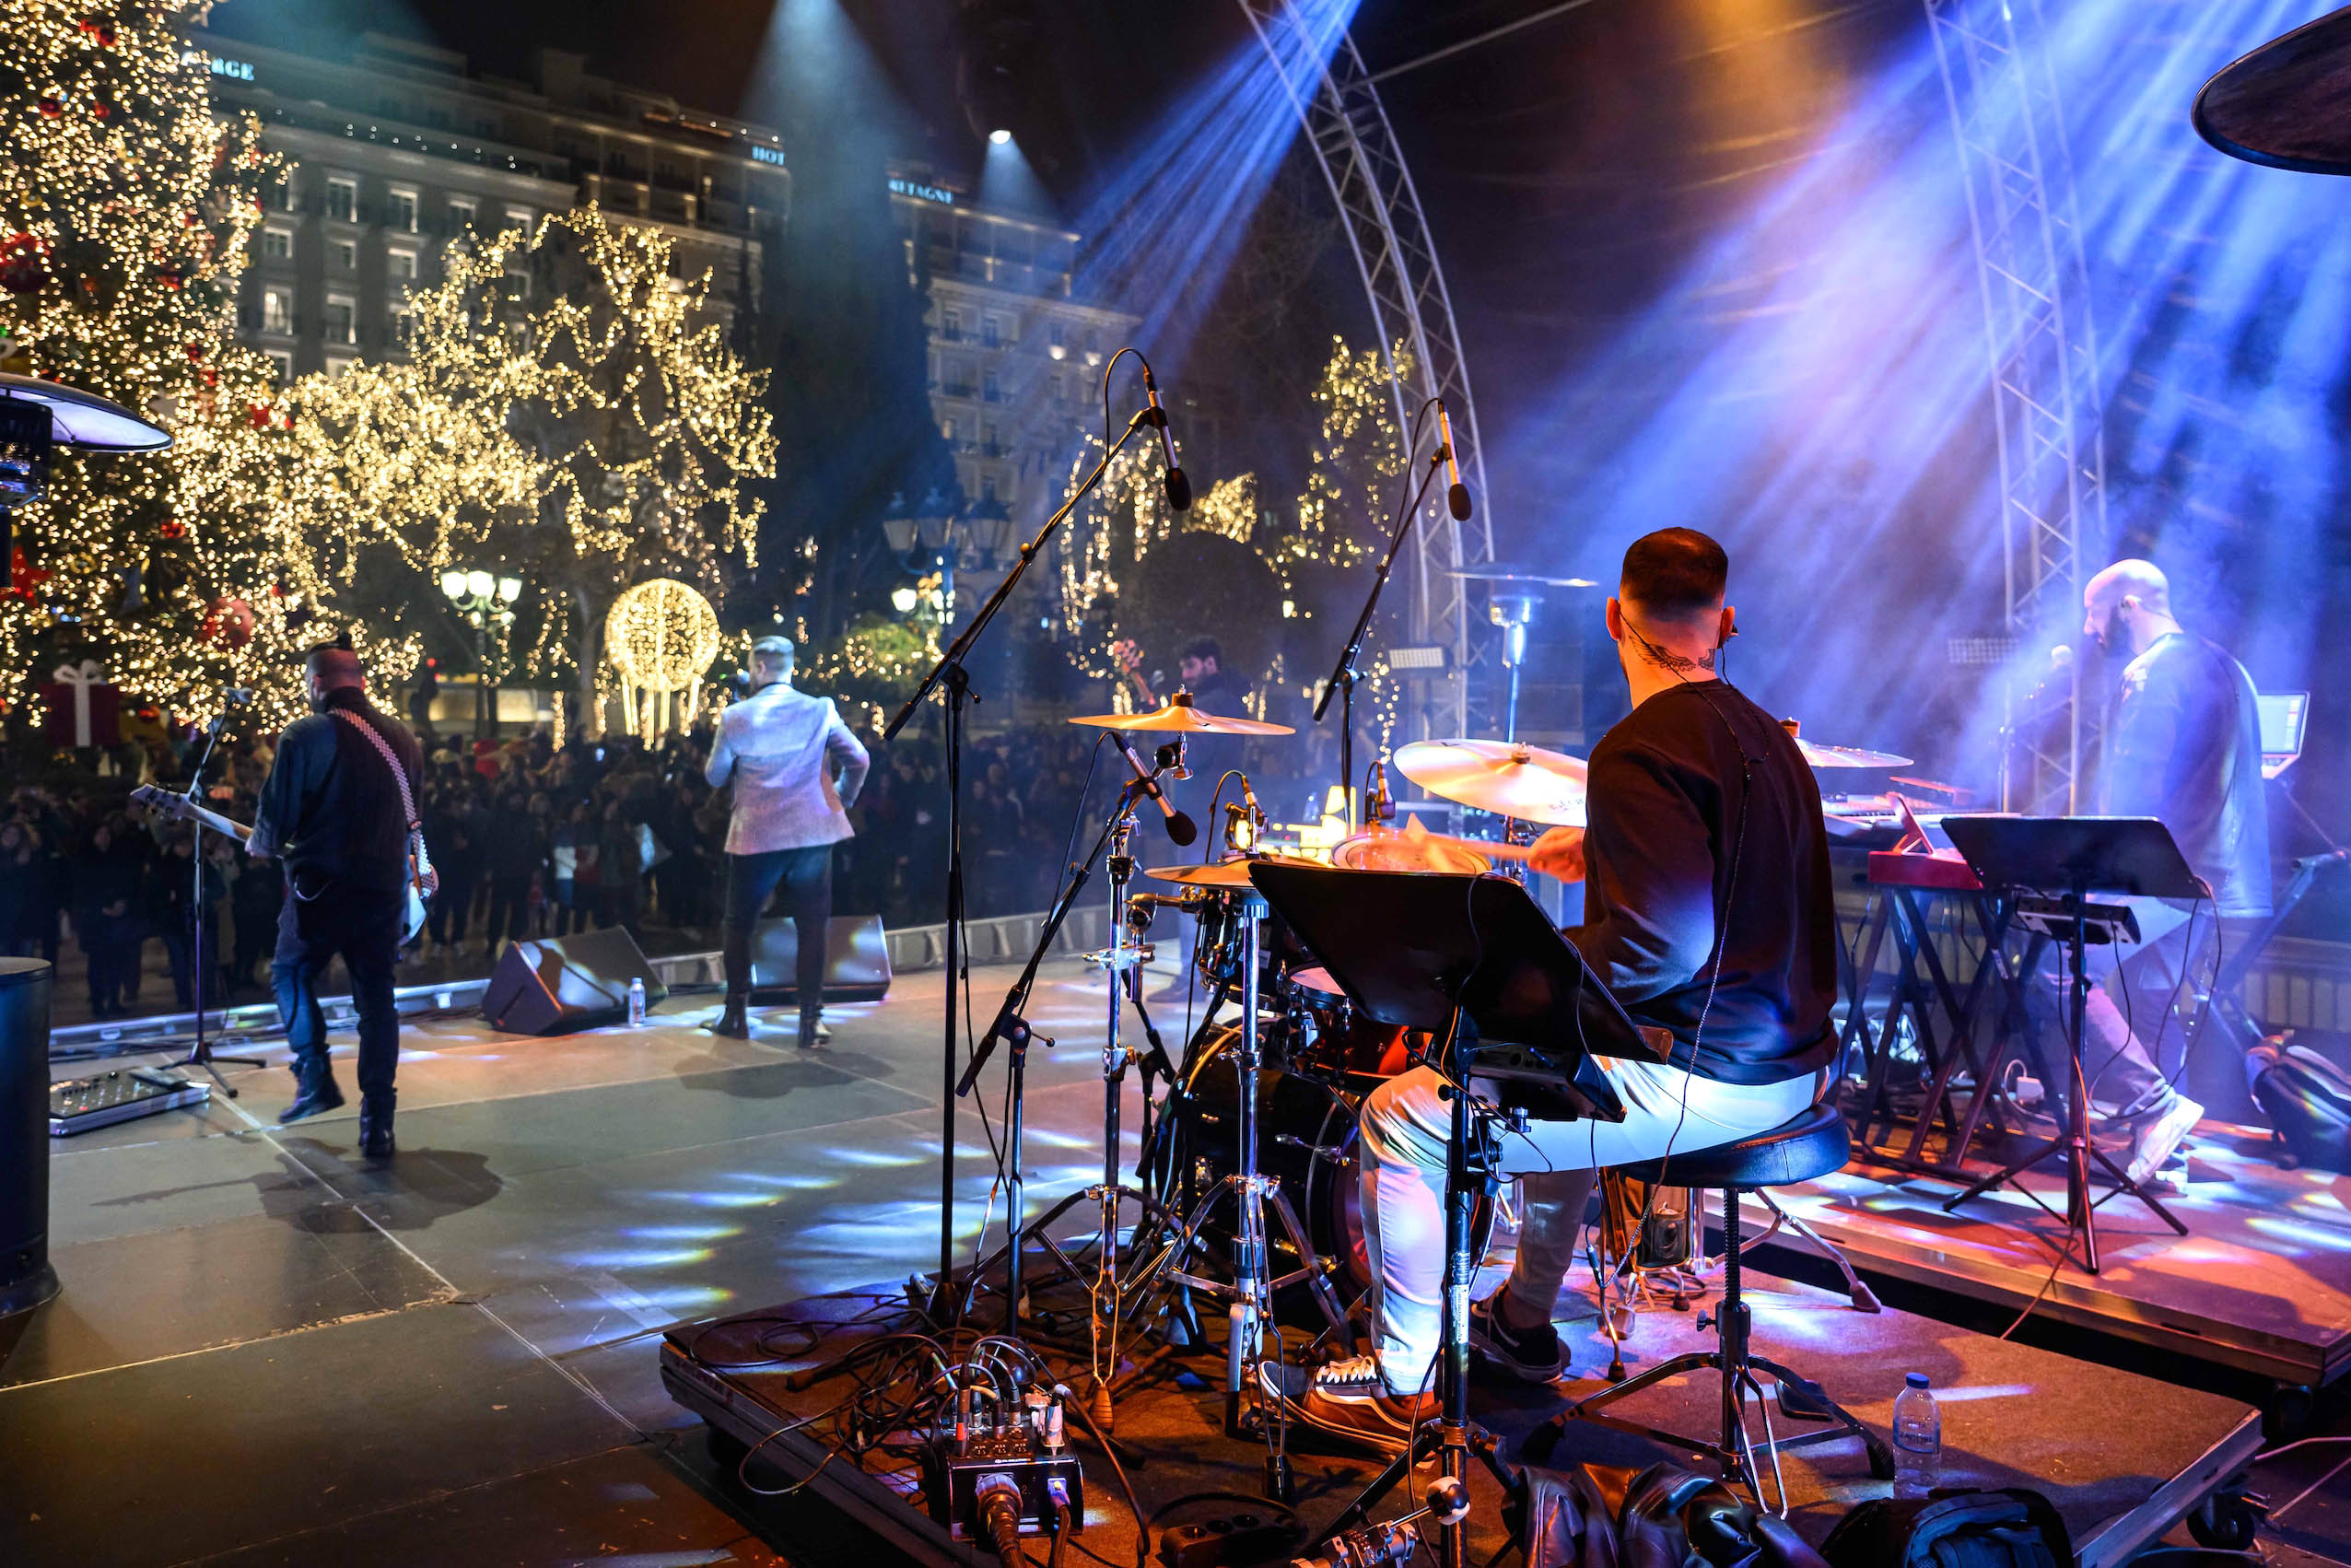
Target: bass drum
1306	1138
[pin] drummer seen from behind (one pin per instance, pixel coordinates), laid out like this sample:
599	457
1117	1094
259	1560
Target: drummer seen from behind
1707	913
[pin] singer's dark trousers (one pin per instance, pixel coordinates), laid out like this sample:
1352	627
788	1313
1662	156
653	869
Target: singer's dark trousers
806	878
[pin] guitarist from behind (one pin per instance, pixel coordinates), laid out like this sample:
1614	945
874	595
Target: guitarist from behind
331	812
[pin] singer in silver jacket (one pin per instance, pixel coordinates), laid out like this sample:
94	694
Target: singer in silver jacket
796	770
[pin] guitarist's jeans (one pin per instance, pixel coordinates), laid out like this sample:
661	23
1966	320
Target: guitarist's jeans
364	927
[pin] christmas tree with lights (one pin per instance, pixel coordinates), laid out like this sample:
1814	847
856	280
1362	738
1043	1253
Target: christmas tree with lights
125	206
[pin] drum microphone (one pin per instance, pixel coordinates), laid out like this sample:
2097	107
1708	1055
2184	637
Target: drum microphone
1180	828
1383	805
1456	495
1180	489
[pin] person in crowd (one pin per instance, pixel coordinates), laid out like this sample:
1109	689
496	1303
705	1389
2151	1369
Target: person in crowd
255	899
620	859
516	848
106	893
21	894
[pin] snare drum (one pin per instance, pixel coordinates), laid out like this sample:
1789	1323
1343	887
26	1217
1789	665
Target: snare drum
1331	1040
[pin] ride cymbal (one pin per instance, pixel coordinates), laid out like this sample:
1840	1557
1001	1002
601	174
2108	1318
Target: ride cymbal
1508	779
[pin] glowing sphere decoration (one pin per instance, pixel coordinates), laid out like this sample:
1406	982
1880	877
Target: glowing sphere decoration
660	638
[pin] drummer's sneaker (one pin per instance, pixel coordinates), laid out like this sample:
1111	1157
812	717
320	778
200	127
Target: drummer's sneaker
2160	1138
1347	1399
1531	1355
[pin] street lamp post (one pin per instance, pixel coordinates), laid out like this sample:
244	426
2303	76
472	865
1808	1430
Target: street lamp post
485	602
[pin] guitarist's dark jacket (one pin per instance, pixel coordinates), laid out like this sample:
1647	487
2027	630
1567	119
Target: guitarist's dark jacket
330	809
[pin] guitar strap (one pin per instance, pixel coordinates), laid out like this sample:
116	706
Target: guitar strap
421	874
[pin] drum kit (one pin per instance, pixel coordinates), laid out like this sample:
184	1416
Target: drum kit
1261	1113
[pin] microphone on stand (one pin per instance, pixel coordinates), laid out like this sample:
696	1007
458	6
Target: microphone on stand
1180	489
1180	828
236	696
1456	495
1383	805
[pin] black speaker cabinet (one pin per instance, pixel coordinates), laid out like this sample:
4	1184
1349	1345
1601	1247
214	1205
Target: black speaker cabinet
857	961
565	984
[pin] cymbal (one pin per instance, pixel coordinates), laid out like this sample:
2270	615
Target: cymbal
1223	873
1500	776
1820	755
1181	715
2283	104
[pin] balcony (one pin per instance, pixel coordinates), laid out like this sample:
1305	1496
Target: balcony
956	389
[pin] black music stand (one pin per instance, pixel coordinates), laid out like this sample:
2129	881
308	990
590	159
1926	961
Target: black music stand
2069	857
1473	960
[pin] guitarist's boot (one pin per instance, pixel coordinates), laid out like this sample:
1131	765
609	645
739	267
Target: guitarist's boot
316	1093
375	1126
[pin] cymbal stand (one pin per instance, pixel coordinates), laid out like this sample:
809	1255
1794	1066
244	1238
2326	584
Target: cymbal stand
1249	1293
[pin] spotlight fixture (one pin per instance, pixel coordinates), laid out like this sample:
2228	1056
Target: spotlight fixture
999	136
995	75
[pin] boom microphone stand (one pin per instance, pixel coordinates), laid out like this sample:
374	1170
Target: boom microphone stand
949	674
1343	675
201	1053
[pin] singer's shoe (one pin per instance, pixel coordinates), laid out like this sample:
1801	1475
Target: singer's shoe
375	1126
733	1022
1530	1355
811	1031
1348	1400
2157	1140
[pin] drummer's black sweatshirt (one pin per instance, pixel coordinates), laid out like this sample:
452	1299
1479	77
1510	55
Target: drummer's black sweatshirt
1666	790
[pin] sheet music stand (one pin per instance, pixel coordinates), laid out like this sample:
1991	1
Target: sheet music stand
1416	948
2068	859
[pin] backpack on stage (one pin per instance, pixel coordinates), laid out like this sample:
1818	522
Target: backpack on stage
2307	1099
2008	1528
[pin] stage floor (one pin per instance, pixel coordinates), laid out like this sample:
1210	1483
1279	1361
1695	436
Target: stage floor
271	1351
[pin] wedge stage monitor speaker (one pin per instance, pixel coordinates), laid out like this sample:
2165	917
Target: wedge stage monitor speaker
565	984
857	961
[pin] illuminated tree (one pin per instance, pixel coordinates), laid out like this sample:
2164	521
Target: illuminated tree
569	411
124	212
1343	515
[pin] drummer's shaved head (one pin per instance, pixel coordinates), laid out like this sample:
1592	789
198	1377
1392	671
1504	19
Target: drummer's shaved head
1675	575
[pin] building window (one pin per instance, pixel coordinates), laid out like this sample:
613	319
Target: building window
518	217
987	488
341	321
991	389
346	253
342	198
287	195
988	442
950	325
518	286
277	310
281	367
460	215
403	326
1057	342
991	332
400	210
1061	389
400	266
338	363
277	244
947	428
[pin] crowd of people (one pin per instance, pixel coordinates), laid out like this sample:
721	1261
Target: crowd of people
530	839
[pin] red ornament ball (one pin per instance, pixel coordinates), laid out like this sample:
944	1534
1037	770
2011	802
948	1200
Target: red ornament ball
99	111
228	623
50	109
173	528
24	263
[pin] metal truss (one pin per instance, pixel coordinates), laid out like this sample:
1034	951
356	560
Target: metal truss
2034	277
1344	120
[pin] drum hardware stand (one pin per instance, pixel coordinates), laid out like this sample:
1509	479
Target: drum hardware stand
950	677
1249	1295
1343	675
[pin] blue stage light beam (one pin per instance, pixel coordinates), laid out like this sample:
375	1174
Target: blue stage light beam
1163	226
1008	183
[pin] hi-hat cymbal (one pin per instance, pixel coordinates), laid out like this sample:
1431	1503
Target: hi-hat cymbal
1820	755
1224	873
1501	776
1182	715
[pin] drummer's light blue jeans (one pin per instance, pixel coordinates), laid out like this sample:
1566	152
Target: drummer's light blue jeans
1405	1129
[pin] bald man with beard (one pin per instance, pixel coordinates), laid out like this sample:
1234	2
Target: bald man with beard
2183	746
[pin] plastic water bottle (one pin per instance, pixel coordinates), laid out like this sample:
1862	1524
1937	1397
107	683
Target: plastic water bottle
1918	1439
637	1010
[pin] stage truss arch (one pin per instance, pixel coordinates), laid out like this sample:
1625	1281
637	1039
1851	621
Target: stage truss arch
2034	276
1340	110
